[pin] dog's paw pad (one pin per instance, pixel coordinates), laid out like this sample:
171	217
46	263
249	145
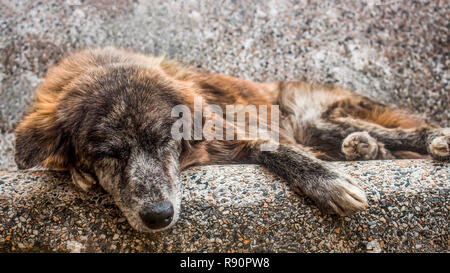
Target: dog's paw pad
359	145
439	144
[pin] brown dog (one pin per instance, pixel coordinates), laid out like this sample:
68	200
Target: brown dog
107	116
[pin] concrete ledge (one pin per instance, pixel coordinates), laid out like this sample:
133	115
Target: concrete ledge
238	208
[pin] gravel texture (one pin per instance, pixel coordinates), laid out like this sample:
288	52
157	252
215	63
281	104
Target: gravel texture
394	51
236	208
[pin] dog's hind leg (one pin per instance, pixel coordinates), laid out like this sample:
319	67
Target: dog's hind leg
355	127
342	132
343	141
423	139
312	115
398	131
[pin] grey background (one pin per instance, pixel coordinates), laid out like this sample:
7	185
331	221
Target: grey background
393	51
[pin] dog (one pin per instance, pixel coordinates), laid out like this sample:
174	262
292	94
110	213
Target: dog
105	115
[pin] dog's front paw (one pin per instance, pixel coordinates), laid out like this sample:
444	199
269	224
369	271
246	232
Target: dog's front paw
83	180
359	145
340	194
439	144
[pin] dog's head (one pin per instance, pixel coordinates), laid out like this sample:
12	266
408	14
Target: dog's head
111	125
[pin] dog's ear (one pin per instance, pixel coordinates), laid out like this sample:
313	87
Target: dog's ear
41	142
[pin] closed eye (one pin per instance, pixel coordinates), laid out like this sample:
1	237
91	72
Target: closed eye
104	150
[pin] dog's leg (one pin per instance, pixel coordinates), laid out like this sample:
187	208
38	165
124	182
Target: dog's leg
395	129
424	139
343	142
332	120
332	190
342	132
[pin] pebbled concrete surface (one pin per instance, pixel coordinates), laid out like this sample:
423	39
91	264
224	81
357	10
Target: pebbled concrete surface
236	208
393	51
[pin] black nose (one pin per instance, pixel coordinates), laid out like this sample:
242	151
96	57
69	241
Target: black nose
158	215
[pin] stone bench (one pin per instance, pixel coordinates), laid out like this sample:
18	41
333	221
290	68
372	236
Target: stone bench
234	208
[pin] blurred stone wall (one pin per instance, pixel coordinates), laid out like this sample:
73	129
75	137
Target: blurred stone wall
393	51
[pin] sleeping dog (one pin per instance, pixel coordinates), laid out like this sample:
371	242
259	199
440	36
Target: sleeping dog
107	116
